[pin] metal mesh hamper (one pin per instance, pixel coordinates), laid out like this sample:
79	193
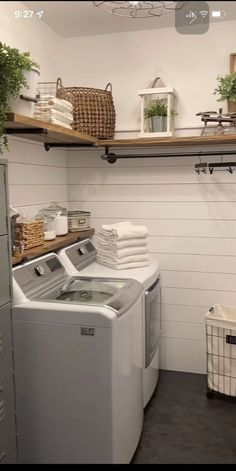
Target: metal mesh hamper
221	350
94	111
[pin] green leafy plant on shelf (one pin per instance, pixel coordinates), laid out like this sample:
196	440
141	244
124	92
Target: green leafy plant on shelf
13	64
226	88
156	108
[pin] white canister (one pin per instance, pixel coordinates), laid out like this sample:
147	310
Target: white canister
25	103
61	223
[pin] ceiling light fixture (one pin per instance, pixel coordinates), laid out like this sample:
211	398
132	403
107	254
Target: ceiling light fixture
138	9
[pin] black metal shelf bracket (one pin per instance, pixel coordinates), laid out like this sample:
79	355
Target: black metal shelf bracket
49	145
23	131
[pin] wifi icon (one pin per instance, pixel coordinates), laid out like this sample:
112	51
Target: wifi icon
203	13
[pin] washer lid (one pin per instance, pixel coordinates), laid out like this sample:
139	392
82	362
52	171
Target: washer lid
116	294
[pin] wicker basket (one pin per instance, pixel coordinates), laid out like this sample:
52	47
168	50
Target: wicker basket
31	234
94	111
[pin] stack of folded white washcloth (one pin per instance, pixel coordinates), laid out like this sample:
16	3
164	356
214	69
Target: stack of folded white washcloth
122	245
54	111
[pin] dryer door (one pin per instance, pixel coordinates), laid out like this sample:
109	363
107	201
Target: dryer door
152	321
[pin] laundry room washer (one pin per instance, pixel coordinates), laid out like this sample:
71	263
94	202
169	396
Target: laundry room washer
80	258
78	365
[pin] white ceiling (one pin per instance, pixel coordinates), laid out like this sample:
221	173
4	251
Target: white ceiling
70	19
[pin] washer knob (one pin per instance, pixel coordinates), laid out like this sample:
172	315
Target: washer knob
39	270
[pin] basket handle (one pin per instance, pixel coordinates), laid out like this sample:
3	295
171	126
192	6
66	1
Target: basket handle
108	85
59	83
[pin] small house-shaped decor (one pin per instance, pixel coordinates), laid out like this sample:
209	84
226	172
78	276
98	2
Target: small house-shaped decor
157	111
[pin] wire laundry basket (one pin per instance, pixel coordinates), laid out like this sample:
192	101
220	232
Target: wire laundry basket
47	89
221	350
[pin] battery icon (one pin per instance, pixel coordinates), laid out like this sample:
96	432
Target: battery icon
218	14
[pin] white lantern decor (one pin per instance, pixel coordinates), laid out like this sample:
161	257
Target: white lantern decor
157	111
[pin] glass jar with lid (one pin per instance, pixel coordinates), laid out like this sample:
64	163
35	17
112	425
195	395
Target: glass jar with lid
49	224
49	227
60	215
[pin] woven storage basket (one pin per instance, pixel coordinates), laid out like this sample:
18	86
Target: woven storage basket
31	234
94	111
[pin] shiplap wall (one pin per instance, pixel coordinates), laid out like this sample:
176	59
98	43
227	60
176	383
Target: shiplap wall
36	177
192	223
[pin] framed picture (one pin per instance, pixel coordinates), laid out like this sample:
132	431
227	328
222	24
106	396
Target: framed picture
233	63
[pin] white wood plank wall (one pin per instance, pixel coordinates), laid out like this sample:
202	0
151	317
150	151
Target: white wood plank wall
36	177
192	224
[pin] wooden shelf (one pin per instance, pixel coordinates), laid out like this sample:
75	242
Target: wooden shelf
33	129
36	130
170	141
52	245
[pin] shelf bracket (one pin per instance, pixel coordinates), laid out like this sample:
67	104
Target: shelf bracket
23	131
49	145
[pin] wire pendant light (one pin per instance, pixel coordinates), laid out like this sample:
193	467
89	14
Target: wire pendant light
137	9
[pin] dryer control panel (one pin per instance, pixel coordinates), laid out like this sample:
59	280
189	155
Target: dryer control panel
81	254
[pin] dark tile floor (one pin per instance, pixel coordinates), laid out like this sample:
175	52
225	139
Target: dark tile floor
182	426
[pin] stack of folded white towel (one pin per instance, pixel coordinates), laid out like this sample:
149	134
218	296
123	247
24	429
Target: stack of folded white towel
122	245
54	111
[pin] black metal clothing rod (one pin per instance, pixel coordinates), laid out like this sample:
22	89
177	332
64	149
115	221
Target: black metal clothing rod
112	157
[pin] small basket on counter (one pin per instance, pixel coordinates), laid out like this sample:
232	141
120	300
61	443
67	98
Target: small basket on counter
30	234
78	220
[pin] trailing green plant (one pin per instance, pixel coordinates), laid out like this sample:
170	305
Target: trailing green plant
13	64
226	87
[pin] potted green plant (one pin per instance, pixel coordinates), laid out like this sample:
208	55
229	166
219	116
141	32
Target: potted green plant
14	66
227	90
156	112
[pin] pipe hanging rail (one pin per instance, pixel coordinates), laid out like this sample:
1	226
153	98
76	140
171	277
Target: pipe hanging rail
111	157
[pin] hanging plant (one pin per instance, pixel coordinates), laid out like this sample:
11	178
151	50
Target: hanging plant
13	65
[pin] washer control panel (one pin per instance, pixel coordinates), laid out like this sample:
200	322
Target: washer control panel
81	254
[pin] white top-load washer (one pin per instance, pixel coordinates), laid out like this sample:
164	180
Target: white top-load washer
80	258
78	365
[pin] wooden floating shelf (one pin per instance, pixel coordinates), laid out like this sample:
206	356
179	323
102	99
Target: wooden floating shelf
36	130
170	141
52	245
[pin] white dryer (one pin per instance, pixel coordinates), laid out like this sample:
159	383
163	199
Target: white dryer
80	258
78	365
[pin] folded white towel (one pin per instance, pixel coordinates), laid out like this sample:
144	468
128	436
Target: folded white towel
55	121
120	254
122	266
122	230
128	259
120	244
53	101
62	116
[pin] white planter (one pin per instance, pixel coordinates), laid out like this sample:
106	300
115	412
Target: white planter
23	104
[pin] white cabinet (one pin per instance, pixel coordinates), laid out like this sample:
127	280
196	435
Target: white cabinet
8	453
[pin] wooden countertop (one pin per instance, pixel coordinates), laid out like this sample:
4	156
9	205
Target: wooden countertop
52	245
